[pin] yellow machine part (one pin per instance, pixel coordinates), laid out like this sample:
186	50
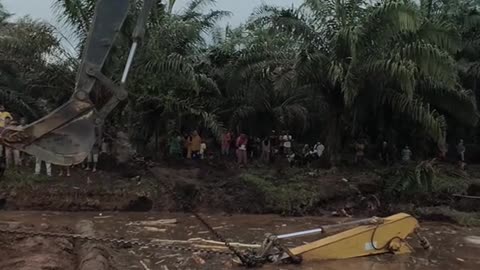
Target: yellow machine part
388	236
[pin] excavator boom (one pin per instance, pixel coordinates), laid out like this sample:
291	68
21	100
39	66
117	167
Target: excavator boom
67	134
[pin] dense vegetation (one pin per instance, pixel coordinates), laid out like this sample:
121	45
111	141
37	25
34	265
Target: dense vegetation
330	70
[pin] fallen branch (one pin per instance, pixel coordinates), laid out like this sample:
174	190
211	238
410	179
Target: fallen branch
144	265
466	196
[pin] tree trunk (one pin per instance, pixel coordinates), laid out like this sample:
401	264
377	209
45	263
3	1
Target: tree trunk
334	139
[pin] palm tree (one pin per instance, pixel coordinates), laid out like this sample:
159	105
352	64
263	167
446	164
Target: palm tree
167	82
32	67
254	101
362	61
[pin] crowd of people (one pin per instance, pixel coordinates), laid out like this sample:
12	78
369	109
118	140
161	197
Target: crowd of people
244	148
15	158
266	149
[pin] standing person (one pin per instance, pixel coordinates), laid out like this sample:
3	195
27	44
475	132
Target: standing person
12	155
406	154
461	153
461	150
306	150
4	115
203	150
253	147
257	147
274	144
38	167
226	142
175	147
281	149
266	149
359	152
384	153
318	150
188	145
64	170
306	157
287	143
241	144
196	145
92	158
24	160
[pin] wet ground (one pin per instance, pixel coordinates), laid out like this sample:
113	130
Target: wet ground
451	250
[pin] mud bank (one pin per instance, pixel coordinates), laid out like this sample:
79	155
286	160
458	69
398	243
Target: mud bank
293	192
19	252
206	187
32	253
454	247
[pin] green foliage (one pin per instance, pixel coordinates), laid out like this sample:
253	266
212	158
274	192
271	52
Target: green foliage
16	179
448	214
33	67
425	181
334	69
291	197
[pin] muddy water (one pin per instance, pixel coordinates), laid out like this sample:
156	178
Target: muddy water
451	250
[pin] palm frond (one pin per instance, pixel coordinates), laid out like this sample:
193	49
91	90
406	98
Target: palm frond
441	33
76	14
20	104
400	71
432	123
431	61
458	103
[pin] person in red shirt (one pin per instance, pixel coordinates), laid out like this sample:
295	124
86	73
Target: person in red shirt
226	141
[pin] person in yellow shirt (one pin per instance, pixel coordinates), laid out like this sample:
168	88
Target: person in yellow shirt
4	115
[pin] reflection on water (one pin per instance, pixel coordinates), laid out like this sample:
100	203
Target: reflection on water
453	245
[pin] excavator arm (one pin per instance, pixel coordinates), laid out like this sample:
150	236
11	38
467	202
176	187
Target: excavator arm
67	134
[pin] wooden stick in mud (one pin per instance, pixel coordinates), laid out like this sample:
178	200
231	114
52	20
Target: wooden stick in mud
144	265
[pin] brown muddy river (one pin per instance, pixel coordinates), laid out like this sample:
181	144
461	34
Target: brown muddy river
451	250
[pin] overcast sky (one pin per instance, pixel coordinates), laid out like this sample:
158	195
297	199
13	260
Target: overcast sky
241	8
42	9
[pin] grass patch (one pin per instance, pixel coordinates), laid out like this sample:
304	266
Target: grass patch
445	213
289	197
14	178
425	182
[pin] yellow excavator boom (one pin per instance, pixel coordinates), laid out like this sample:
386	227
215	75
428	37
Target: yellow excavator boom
387	236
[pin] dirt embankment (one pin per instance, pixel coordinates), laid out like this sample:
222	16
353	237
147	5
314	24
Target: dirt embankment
209	187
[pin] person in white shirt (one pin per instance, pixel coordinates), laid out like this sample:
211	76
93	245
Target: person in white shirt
203	149
406	154
287	143
318	149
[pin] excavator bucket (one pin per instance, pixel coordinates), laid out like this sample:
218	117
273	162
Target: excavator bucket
63	137
67	145
67	135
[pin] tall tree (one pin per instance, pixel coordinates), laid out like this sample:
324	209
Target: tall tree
366	60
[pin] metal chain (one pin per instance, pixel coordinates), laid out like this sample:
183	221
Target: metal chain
111	241
236	252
